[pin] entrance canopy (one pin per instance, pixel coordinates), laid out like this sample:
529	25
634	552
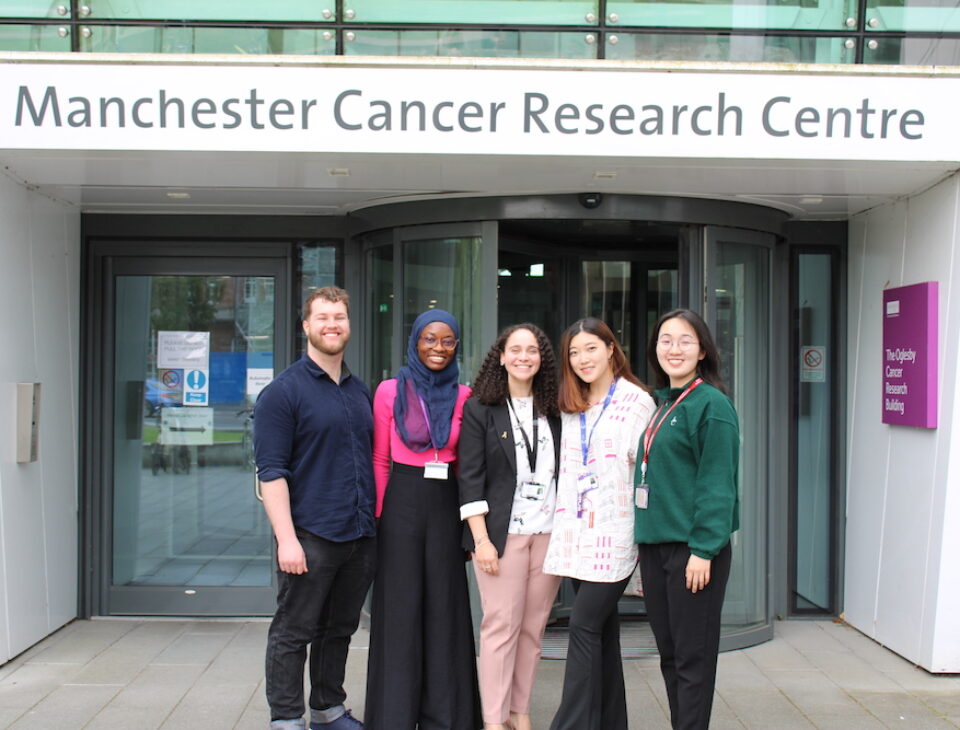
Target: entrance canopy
115	133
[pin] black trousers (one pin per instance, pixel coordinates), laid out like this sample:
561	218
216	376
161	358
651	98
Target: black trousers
686	626
320	608
422	670
593	693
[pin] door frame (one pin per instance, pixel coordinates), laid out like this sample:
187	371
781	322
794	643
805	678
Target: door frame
134	255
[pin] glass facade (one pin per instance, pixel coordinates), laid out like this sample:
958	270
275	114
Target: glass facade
924	32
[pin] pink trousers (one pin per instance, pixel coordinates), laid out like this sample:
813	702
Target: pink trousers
516	604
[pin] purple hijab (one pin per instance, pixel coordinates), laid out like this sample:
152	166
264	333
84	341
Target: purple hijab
424	394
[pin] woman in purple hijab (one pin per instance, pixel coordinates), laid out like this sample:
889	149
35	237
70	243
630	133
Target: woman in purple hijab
421	671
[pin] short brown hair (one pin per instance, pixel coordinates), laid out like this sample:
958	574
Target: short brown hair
329	294
573	391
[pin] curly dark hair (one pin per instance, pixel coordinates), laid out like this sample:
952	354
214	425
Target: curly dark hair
490	385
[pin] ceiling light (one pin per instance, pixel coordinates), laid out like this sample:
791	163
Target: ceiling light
811	200
178	196
604	175
339	172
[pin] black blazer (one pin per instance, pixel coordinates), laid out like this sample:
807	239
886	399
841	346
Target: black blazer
487	466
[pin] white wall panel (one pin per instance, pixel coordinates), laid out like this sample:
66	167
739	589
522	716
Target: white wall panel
898	484
39	303
874	259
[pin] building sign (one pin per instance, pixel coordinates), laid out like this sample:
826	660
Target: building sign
910	320
339	106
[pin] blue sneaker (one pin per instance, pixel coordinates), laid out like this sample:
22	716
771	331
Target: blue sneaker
346	721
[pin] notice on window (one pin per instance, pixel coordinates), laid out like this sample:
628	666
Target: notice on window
257	380
183	350
813	364
186	426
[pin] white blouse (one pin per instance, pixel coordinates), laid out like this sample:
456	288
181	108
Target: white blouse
592	535
532	514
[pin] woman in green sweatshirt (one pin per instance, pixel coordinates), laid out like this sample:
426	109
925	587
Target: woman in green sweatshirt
686	508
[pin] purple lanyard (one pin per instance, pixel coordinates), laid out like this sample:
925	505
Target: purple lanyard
584	438
426	417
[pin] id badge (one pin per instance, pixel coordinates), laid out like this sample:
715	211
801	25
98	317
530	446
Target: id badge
587	482
436	470
642	496
532	490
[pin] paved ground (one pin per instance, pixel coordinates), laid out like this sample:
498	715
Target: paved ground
181	674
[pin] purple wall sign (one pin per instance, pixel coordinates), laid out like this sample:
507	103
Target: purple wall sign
910	320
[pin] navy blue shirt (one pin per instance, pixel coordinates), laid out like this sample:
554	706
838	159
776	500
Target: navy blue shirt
319	437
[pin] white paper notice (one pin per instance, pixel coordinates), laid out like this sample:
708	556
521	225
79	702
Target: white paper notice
183	350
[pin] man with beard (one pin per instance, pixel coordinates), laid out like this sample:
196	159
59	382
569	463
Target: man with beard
313	438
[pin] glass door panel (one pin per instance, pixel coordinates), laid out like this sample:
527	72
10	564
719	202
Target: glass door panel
738	312
447	267
530	289
813	494
607	293
382	306
190	355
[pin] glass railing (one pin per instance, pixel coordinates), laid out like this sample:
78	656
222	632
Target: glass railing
39	38
249	10
913	51
911	15
723	48
179	39
776	15
506	12
788	31
35	9
470	43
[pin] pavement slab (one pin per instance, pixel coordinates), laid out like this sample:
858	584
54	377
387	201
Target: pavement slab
181	674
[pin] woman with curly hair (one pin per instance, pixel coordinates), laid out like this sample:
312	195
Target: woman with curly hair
508	454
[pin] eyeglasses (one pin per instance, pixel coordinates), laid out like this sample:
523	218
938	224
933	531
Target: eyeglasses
683	344
447	343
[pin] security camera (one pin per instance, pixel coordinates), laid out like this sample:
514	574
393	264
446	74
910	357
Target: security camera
590	200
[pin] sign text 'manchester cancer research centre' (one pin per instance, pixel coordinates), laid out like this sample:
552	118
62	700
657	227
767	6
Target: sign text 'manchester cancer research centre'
640	113
910	319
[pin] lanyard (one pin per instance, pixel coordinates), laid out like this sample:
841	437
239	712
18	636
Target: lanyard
426	417
531	450
584	438
654	426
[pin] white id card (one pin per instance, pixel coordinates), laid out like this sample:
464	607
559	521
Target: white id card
532	490
436	470
642	496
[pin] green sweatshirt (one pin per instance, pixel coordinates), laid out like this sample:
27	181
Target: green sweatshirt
692	473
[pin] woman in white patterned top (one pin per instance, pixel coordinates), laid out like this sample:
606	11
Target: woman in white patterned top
604	410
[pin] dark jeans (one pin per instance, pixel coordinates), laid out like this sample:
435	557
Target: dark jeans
593	693
321	608
686	626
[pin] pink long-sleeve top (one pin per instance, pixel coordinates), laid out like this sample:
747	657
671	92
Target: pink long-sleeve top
387	445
